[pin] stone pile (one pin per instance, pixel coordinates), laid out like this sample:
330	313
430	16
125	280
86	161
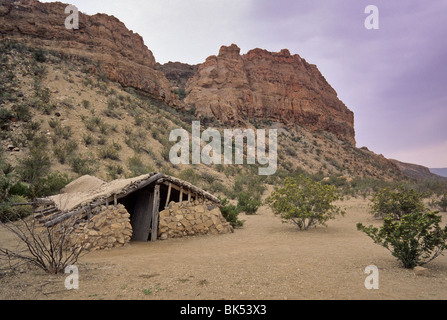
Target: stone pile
191	218
108	229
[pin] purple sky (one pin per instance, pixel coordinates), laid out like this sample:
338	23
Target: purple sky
394	78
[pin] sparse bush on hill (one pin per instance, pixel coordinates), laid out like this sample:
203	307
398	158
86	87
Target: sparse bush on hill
305	202
83	164
414	240
9	212
137	167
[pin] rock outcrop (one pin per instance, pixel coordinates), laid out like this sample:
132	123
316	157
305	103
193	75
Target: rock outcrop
276	86
178	73
121	53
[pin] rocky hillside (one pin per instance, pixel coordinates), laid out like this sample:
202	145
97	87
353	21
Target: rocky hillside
122	54
95	101
265	85
417	172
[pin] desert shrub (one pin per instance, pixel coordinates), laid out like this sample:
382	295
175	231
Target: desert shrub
442	203
189	175
247	203
9	212
82	164
181	93
110	152
51	184
114	171
53	123
37	164
64	132
5	115
137	167
252	184
230	213
39	55
88	139
414	240
305	202
22	112
86	104
396	203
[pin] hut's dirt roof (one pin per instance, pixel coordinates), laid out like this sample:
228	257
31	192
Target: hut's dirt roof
87	188
83	184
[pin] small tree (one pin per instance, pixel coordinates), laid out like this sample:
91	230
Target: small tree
414	240
305	202
396	203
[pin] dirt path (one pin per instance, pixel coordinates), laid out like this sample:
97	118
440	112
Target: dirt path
264	260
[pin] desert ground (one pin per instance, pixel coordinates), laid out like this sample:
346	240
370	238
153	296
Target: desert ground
264	260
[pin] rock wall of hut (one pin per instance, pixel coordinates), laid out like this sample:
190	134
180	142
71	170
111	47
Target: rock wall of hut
108	229
191	218
111	227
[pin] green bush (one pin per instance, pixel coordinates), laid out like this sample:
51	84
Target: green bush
414	240
5	115
9	213
83	165
305	202
51	184
396	203
189	175
110	152
37	164
39	55
230	213
442	203
247	203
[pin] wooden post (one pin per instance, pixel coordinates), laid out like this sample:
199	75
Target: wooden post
169	195
154	231
181	195
115	202
189	195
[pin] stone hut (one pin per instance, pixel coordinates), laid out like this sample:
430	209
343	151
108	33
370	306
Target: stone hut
147	208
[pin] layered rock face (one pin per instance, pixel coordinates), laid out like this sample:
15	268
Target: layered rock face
122	54
276	86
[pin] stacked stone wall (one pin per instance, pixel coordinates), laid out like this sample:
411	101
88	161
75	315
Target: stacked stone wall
191	218
108	229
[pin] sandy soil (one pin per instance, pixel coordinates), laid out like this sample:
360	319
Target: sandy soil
264	260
